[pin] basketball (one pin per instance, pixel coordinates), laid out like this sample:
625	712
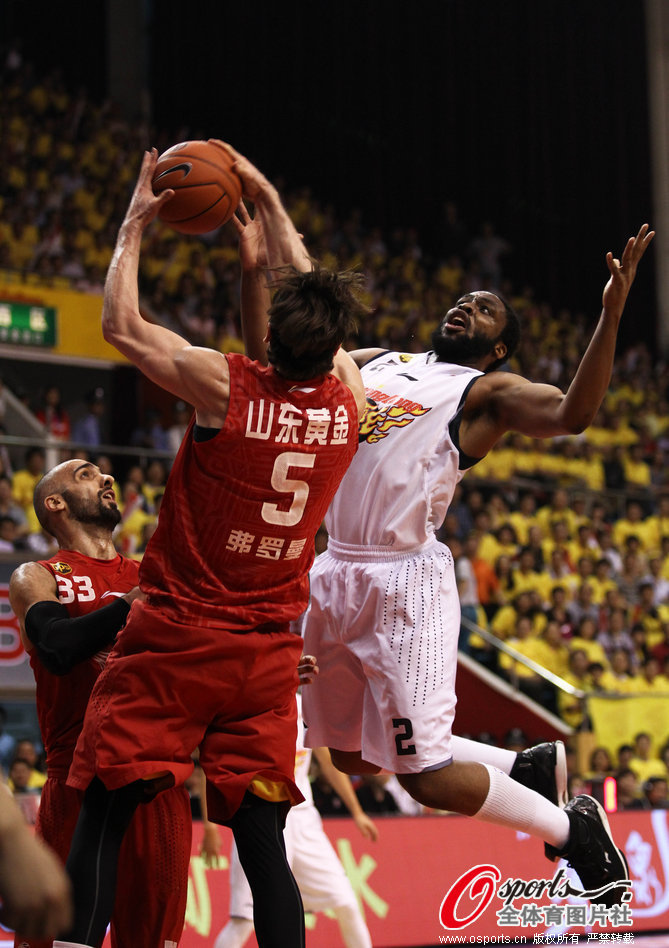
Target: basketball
207	190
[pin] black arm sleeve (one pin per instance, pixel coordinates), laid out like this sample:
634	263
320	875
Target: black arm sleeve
61	641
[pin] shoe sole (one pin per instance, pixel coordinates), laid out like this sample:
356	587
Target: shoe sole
601	812
560	773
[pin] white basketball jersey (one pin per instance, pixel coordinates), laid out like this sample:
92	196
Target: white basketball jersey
401	480
302	761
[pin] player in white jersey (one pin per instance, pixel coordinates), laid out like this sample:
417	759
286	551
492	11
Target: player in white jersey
384	613
319	874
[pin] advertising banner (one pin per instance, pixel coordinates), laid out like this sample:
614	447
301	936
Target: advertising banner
427	871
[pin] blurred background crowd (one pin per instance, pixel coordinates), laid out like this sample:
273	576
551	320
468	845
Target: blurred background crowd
561	548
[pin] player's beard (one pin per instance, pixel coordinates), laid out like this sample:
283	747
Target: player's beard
91	511
461	349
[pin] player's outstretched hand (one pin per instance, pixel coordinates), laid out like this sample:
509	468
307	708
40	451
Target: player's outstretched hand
366	827
623	271
254	182
307	669
252	249
144	204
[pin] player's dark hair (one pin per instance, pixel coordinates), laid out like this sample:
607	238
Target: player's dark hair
510	335
311	315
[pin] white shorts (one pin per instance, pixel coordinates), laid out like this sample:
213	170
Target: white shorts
384	628
318	872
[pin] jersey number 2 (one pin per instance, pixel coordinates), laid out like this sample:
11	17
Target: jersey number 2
403	749
286	485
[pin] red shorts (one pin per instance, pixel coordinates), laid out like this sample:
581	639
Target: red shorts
168	688
152	882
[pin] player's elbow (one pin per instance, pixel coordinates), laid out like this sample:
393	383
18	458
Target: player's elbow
55	663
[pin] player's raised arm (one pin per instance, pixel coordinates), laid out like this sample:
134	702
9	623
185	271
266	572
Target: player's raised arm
285	246
199	376
342	786
254	292
502	402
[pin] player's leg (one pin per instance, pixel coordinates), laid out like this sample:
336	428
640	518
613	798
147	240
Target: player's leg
354	932
240	924
580	832
346	597
248	756
235	934
321	877
150	901
93	861
542	768
278	914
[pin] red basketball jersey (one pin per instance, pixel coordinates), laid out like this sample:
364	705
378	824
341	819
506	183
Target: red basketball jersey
84	585
235	536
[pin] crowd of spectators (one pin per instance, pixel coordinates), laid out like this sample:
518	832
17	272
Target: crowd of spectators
561	548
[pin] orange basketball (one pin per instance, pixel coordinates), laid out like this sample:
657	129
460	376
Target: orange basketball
207	190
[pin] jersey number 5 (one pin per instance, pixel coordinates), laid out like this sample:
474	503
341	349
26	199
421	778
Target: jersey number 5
286	485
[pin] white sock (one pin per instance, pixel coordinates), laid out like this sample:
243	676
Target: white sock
511	804
352	926
235	934
477	753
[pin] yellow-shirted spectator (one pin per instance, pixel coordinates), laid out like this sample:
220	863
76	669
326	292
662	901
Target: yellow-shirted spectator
501	543
550	650
618	677
527	579
504	621
644	764
522	640
523	519
558	539
585	638
650	680
572	707
557	510
632	524
24	482
636	468
589	468
129	534
584	545
601	581
657	525
652	617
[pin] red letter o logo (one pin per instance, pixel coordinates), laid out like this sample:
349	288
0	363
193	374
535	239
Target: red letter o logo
481	881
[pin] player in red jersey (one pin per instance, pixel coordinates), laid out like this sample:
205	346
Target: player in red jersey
209	659
71	608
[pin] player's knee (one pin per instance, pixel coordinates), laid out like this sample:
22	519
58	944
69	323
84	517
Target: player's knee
351	762
425	788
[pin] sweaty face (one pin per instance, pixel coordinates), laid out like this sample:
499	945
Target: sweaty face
470	330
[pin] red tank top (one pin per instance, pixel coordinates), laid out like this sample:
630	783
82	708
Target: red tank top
84	585
235	536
